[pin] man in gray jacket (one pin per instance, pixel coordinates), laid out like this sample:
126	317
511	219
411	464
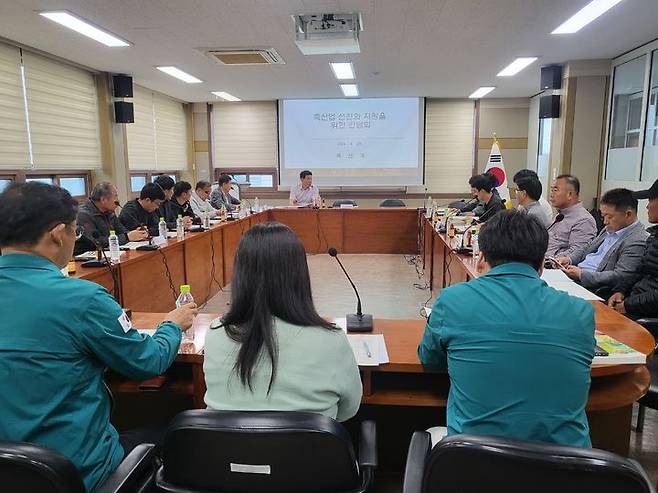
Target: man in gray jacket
614	255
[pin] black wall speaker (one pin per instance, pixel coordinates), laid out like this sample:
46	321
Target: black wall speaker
124	112
123	86
549	106
551	77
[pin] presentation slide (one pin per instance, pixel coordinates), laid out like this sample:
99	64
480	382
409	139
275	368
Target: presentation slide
344	142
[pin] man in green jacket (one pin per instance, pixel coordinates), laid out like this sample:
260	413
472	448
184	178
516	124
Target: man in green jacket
518	352
58	335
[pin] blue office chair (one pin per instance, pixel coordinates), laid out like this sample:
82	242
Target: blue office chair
470	464
25	467
259	452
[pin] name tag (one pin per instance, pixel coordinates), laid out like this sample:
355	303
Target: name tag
251	468
125	322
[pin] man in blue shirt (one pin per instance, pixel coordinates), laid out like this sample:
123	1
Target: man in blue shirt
613	257
58	335
518	352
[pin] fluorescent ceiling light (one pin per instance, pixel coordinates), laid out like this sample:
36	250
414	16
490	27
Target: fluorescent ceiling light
343	70
349	90
585	15
482	91
516	66
179	74
69	20
226	96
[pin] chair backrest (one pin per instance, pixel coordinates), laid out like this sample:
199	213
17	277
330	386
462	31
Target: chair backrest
469	463
227	451
339	202
29	468
392	203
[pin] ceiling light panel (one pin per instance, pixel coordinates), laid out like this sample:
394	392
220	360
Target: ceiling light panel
481	92
225	96
516	66
85	28
584	16
179	74
349	90
343	70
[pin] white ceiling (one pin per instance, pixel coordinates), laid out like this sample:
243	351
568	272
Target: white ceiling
438	48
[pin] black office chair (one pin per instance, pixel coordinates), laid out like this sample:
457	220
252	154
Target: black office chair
293	452
650	399
25	467
392	203
470	464
339	202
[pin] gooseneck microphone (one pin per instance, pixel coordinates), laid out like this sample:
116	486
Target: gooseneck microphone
557	219
101	260
356	322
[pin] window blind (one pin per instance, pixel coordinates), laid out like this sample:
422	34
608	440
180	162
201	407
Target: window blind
14	150
245	134
171	134
448	145
63	114
141	134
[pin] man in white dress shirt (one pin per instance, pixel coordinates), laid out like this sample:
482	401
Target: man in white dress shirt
305	194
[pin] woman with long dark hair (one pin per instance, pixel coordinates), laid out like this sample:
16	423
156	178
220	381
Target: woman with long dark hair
272	351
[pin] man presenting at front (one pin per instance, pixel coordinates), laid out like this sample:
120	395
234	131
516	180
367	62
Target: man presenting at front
57	336
519	364
305	194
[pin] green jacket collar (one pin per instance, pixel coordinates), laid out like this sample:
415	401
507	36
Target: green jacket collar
512	268
28	261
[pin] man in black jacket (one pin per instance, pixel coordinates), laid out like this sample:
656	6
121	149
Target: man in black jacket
144	210
96	217
179	205
641	299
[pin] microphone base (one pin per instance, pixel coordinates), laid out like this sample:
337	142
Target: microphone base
94	263
356	323
147	247
464	250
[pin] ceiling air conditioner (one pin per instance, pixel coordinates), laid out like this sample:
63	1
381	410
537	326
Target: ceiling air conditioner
252	56
328	34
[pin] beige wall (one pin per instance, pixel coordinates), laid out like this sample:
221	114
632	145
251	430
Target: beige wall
577	136
508	119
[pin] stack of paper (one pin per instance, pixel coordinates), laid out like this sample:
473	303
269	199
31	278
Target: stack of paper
618	353
192	347
132	245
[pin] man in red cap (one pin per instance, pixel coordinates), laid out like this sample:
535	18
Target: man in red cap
638	296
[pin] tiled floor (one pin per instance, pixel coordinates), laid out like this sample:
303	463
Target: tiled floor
388	285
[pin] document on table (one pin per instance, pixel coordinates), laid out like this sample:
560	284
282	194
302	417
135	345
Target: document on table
197	346
369	349
557	279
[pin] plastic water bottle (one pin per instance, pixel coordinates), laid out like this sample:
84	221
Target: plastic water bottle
206	220
184	298
162	228
256	205
475	245
180	227
113	241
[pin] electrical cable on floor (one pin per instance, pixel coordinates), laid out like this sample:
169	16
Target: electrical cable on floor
171	282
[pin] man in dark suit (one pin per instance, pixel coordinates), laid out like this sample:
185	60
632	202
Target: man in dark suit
222	197
483	187
615	254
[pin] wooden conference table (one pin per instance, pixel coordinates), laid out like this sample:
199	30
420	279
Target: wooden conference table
403	381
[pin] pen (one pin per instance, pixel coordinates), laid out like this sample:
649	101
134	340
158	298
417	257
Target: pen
367	349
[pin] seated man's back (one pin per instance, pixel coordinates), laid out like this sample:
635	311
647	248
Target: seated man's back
518	354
